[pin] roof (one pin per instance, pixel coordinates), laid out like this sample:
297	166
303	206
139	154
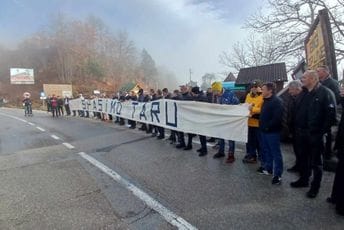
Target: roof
265	73
230	77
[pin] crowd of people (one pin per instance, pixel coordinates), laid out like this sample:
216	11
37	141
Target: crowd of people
312	114
58	106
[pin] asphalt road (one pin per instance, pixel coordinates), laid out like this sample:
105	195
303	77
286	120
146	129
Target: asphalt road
78	173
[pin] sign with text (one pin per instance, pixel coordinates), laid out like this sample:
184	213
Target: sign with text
228	122
61	90
319	44
21	76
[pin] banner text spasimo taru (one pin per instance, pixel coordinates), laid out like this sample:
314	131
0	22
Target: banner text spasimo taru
228	122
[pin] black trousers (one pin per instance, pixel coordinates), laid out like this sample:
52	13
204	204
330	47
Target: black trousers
338	184
310	160
203	140
297	151
67	109
328	145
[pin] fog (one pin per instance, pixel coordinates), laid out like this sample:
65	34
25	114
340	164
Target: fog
179	35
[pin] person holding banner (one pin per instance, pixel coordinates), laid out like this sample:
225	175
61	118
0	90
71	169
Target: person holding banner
185	96
199	96
255	100
225	96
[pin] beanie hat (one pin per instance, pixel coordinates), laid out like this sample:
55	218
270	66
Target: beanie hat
195	90
216	86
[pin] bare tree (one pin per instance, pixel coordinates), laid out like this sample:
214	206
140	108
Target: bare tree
292	19
253	51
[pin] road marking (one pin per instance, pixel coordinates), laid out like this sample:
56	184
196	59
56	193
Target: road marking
31	123
39	128
55	137
169	216
68	145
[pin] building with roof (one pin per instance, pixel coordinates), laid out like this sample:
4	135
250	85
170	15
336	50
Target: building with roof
276	73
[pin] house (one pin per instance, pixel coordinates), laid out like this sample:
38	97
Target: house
276	73
230	77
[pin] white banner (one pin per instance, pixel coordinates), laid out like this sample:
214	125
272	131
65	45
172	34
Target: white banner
228	122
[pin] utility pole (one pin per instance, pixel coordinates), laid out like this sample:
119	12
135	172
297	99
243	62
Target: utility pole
190	71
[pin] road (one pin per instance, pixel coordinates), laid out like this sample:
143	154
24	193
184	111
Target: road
78	173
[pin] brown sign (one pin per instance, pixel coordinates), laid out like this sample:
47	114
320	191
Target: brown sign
58	90
319	44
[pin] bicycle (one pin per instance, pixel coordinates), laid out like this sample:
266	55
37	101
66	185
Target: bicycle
28	110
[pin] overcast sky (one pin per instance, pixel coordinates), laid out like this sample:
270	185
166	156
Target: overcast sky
179	34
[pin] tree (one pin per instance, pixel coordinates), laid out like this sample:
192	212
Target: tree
291	21
206	80
280	30
252	52
148	68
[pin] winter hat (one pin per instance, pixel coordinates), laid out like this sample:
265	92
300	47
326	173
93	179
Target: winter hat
216	86
195	90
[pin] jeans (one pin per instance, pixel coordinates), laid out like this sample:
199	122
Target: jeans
222	146
272	160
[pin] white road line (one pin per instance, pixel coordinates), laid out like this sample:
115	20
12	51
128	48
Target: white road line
55	137
169	216
39	128
31	123
68	145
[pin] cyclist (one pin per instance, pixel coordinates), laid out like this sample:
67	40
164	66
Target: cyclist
27	104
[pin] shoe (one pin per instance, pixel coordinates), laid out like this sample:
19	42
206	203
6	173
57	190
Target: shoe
188	148
330	200
339	210
212	139
312	193
153	135
230	158
199	150
218	155
179	146
202	154
293	169
217	146
160	137
276	180
249	160
260	169
299	184
265	172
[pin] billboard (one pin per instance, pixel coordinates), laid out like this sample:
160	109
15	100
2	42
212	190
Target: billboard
319	44
20	76
61	90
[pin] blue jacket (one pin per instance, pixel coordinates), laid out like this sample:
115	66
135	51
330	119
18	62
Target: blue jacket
228	98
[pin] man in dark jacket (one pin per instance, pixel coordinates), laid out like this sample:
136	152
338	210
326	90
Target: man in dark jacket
311	123
185	96
270	125
198	95
337	196
332	84
295	92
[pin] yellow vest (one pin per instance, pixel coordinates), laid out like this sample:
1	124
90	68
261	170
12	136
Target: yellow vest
257	102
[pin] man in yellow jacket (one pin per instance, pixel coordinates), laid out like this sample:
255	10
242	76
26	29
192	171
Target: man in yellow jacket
255	99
